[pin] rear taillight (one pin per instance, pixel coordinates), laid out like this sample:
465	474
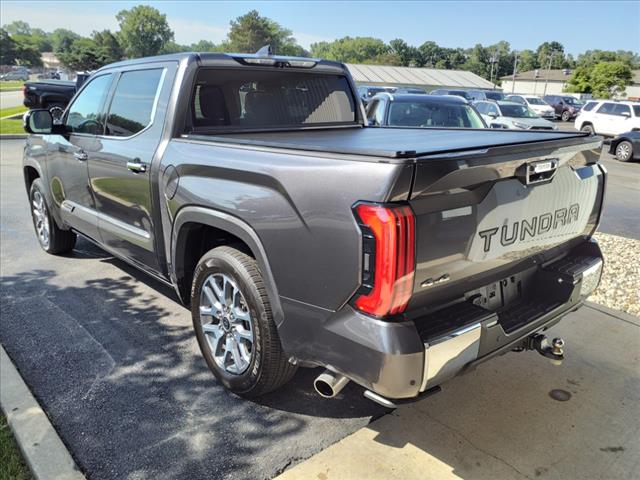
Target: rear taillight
388	263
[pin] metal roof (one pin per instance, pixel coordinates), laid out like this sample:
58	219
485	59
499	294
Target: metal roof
555	75
381	74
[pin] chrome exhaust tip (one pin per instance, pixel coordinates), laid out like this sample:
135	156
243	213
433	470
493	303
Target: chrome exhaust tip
329	384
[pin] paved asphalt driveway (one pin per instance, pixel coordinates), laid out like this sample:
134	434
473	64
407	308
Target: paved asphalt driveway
111	357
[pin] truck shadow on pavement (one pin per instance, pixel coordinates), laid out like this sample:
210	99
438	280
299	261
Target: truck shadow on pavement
115	364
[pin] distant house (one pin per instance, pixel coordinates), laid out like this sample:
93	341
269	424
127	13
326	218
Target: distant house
426	78
49	60
533	82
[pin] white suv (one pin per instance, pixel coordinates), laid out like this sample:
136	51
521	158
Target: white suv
606	117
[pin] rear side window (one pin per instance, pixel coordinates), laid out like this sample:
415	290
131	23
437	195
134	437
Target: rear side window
636	110
85	115
607	108
620	109
133	102
250	99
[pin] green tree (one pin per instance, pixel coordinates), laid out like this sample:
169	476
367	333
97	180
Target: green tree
591	57
110	45
173	47
8	49
430	54
205	46
478	61
553	51
602	80
407	55
17	27
251	31
352	50
62	39
84	54
144	31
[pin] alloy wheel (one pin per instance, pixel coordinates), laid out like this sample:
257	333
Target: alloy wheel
226	323
40	218
623	151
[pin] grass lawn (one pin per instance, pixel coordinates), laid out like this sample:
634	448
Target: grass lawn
12	466
11	125
11	85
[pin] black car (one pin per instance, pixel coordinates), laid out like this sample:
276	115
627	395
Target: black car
566	106
626	146
413	90
415	110
496	95
458	93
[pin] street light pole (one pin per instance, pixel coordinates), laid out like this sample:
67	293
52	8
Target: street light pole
515	68
546	79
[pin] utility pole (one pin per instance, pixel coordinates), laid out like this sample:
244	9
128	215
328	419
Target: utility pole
515	68
546	80
493	60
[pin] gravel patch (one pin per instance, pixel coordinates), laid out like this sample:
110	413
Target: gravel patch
620	284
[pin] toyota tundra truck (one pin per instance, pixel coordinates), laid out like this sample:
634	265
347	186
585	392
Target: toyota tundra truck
394	258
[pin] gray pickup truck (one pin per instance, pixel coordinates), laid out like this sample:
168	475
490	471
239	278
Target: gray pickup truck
395	258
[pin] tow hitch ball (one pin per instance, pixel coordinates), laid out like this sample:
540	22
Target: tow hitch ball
554	351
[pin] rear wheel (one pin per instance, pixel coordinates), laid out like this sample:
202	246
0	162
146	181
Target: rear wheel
588	128
52	239
624	151
234	324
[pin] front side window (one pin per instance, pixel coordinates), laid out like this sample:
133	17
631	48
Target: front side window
423	114
133	102
589	106
85	113
492	109
481	107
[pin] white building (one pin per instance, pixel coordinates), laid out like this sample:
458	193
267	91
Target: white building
541	82
427	78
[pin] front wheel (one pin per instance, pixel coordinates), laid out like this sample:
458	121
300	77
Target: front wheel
624	151
566	116
234	324
52	239
588	129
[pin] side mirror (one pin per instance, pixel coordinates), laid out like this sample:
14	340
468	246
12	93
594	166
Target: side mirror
625	114
38	121
492	114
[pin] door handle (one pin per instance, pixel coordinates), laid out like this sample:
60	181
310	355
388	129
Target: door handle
81	155
137	166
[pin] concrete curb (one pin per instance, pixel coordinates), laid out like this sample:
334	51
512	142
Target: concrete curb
14	136
627	317
43	451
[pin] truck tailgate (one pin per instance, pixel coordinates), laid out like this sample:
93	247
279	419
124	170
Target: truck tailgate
482	215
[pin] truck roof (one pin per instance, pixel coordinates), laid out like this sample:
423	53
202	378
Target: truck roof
392	142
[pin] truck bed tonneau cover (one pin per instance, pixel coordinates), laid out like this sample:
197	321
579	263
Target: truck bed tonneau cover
390	142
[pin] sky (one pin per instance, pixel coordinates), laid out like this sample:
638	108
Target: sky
578	25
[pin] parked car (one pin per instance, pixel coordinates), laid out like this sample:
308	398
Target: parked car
626	146
53	95
444	91
298	236
477	95
22	75
565	106
610	118
409	110
538	105
365	92
413	90
512	115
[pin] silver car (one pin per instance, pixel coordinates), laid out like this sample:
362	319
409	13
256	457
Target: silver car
512	115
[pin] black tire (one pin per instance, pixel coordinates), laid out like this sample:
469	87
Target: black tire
57	241
566	116
588	128
624	151
268	368
56	110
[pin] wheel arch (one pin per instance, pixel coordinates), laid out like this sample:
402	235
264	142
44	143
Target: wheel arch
189	225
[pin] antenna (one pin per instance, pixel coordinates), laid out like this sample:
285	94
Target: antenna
265	51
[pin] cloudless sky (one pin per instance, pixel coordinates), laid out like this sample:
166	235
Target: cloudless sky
578	25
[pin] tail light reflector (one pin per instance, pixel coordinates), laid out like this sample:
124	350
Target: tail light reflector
388	258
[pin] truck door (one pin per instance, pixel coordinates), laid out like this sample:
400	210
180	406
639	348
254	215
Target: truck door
67	161
121	170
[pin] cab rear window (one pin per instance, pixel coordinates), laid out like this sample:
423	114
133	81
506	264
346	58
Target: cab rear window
264	99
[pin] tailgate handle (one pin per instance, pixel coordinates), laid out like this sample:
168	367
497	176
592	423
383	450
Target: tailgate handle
539	172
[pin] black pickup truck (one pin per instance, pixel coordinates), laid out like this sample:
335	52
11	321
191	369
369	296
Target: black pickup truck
395	258
51	94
